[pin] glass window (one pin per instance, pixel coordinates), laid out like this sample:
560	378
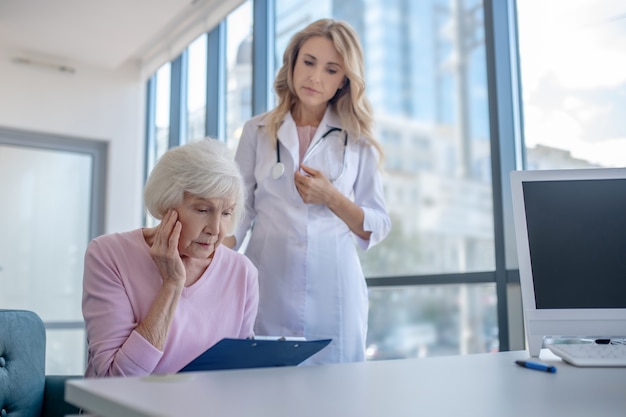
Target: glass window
572	61
44	236
239	74
66	351
420	321
158	142
163	87
425	66
196	94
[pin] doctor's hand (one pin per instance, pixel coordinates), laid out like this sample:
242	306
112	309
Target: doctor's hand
313	186
164	249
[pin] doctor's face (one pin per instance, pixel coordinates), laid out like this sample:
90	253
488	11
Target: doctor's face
205	222
318	73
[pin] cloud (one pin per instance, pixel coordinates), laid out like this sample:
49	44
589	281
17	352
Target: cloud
573	68
581	40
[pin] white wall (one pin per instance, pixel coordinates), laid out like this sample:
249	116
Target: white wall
91	104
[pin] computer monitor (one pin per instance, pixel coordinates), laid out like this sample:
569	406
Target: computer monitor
570	230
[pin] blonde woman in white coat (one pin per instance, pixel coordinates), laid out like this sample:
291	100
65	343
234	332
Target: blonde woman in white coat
311	170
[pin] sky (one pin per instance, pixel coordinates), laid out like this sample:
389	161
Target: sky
573	66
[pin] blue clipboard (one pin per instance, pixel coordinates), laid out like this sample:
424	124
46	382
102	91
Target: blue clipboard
252	353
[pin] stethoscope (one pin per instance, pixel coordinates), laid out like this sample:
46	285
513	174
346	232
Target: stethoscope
279	168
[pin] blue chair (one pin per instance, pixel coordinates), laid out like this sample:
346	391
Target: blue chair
25	389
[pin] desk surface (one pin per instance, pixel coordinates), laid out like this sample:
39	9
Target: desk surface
473	385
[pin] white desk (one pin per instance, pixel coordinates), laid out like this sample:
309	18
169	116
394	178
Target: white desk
475	385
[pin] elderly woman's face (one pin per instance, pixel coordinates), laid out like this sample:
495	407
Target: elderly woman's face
205	223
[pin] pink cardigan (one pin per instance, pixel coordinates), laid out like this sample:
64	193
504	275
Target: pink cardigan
121	280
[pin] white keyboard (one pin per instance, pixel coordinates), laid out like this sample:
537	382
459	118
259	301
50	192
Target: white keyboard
591	354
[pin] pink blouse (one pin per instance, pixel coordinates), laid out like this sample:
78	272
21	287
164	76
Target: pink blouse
305	134
119	284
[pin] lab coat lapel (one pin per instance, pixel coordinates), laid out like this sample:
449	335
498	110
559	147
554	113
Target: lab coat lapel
329	121
288	136
288	133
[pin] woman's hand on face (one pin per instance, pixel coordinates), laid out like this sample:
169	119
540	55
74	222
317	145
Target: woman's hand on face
164	249
313	186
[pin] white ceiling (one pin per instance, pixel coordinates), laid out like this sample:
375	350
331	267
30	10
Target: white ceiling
103	33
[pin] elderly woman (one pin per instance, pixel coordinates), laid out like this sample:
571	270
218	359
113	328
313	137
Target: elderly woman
156	298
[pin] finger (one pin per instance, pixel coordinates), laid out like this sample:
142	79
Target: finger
309	170
300	187
301	179
173	216
164	229
168	220
175	235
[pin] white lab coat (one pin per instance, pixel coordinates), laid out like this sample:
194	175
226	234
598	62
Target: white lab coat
310	279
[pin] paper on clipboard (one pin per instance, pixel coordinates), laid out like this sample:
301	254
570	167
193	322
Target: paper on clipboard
255	353
288	338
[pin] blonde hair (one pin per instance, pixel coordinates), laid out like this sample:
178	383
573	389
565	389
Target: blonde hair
350	102
204	169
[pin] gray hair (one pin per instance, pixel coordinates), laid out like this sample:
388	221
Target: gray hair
204	168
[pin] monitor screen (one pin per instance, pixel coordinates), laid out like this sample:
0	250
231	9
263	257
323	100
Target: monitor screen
577	242
570	228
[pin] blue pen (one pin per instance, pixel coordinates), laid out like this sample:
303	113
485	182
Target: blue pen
537	366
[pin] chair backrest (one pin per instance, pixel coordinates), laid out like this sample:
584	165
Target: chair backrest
22	363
